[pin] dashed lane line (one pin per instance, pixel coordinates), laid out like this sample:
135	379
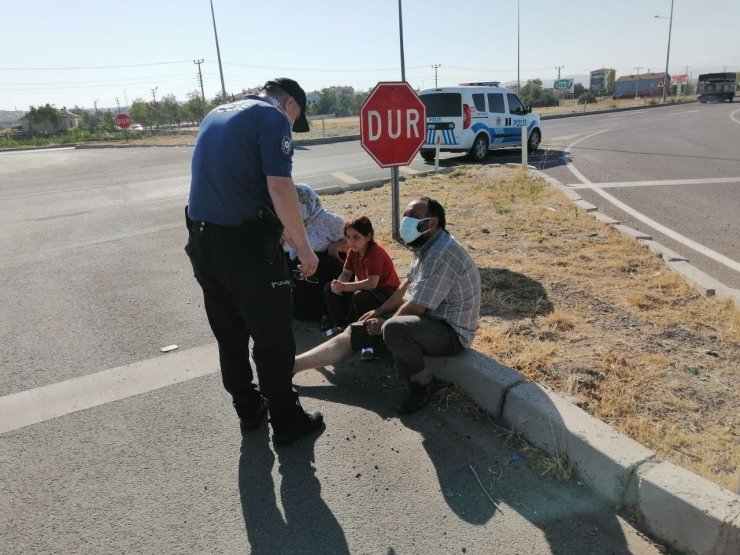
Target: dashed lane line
33	406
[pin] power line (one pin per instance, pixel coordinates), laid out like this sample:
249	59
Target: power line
87	82
90	67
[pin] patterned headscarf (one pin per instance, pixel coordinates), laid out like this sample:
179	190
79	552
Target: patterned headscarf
323	227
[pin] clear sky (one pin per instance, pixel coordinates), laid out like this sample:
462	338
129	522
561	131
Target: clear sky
80	51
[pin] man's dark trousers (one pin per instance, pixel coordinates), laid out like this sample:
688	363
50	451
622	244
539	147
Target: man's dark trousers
247	293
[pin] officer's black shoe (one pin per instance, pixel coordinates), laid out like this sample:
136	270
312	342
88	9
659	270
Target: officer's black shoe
253	421
302	425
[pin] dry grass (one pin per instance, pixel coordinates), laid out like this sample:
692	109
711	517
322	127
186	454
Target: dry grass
594	316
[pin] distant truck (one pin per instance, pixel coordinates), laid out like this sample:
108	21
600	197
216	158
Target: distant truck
716	86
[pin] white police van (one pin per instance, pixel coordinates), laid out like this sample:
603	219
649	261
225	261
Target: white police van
476	118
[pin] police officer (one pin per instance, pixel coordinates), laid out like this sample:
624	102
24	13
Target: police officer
242	201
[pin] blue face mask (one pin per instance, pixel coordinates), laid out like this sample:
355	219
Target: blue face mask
409	231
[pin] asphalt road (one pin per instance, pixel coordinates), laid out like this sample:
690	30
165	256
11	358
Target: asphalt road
95	282
672	173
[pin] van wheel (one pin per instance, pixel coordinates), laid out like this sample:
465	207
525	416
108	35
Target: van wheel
534	141
479	150
427	154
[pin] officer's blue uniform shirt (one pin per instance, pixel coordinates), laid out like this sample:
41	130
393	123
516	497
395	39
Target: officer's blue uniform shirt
238	145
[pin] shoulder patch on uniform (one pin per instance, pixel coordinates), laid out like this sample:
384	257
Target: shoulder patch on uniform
286	144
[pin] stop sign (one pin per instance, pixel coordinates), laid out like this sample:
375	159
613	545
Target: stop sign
123	121
392	124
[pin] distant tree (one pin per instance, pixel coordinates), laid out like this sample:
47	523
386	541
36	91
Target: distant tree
737	81
327	103
169	109
534	95
586	97
610	76
578	90
108	121
140	112
193	109
89	121
45	114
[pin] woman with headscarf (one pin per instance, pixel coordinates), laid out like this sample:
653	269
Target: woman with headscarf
325	231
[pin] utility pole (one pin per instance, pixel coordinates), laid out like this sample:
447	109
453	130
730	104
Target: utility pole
95	103
666	82
118	105
435	66
154	101
518	84
200	80
559	68
637	79
688	80
218	53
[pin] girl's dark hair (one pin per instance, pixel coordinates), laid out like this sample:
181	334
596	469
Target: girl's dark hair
363	225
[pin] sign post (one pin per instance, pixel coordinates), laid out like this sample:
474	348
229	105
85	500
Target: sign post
392	129
124	122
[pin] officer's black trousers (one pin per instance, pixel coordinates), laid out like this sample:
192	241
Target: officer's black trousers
247	294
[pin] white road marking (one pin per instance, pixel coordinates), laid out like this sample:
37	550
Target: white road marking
690	243
679	113
654	183
52	401
345	178
35	150
734	117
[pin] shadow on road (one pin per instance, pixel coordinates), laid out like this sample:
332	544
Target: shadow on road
458	442
306	525
543	159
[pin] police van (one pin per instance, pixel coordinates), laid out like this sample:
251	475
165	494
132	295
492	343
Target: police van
476	118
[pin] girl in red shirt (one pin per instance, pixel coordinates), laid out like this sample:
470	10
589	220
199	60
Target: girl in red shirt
368	277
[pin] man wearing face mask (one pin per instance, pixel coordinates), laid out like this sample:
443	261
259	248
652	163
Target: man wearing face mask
435	310
242	202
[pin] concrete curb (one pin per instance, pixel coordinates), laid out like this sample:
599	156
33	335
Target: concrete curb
673	505
702	282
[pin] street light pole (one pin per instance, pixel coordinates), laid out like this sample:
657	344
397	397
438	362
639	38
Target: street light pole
667	55
218	54
518	84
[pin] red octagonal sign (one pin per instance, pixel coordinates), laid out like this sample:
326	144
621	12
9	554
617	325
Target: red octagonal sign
123	121
392	124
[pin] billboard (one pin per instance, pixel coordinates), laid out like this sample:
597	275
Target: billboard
564	85
598	80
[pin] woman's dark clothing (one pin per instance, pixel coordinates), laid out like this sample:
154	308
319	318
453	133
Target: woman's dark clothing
308	297
346	308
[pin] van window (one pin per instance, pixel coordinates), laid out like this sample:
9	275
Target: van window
515	107
496	103
443	104
479	99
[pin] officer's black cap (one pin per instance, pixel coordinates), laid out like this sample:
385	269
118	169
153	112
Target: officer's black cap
292	88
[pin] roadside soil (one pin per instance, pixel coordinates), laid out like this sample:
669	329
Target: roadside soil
588	313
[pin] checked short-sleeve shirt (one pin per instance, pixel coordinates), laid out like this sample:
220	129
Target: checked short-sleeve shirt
444	279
